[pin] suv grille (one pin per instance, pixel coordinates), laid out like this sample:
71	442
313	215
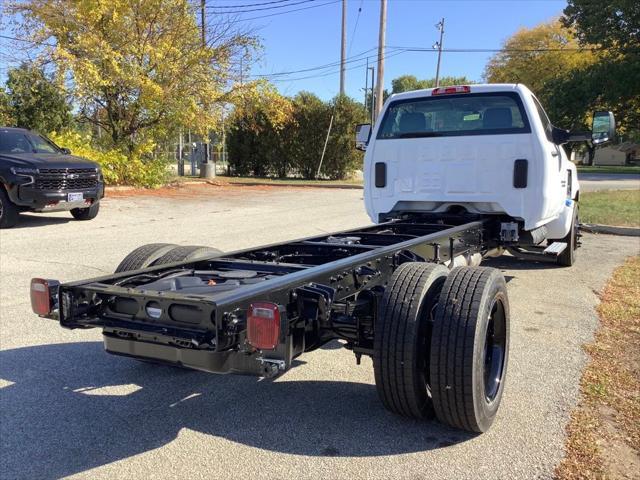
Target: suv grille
66	178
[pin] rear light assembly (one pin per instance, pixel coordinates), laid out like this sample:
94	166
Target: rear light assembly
42	300
263	325
451	90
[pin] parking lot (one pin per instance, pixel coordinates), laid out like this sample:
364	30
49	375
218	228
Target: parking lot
69	409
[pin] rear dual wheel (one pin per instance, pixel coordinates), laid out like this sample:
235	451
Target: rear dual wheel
154	254
441	344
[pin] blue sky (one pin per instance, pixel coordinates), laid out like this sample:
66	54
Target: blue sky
311	37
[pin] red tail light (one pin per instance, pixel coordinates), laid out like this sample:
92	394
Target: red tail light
263	325
450	90
40	296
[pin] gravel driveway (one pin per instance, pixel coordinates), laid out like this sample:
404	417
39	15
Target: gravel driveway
68	409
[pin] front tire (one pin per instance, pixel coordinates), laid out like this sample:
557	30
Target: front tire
88	213
470	348
568	255
402	330
8	211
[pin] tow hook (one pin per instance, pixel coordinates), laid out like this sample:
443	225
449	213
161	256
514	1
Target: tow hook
271	366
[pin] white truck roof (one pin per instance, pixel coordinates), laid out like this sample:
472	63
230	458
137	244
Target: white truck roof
475	88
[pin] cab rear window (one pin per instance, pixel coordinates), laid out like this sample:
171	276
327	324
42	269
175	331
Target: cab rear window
455	115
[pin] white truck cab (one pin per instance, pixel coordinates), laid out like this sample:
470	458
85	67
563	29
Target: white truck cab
483	149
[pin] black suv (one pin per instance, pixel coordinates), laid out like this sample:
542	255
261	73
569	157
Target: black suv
38	176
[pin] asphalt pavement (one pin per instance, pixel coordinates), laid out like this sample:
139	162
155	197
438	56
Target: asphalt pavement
591	182
69	409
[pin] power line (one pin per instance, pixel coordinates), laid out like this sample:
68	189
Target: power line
319	67
283	13
500	50
248	4
334	72
259	9
357	57
355	28
35	42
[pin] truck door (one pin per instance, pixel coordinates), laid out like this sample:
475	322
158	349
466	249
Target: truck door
555	175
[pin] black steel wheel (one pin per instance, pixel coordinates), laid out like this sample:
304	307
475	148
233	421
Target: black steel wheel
88	213
470	348
568	255
8	211
144	256
184	253
401	342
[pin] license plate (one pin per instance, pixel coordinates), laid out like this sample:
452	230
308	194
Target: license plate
74	197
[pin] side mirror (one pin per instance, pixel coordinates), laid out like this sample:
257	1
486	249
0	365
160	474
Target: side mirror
603	127
363	132
65	151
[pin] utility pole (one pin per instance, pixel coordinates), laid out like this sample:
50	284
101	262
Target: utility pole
343	52
438	45
373	96
202	7
207	168
366	87
381	45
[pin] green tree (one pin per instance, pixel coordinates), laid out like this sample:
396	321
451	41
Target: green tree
6	113
341	157
36	101
613	82
311	117
138	66
256	140
614	24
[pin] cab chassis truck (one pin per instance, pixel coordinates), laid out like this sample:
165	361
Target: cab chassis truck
407	292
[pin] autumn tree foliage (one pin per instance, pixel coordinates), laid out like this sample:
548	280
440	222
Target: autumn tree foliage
535	56
137	67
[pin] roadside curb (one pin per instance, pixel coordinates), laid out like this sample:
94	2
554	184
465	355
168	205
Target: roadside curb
213	181
118	188
611	230
127	188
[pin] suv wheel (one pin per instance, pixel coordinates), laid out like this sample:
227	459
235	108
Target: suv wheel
88	213
8	211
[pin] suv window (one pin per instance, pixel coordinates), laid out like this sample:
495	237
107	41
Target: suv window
41	144
546	123
455	115
12	141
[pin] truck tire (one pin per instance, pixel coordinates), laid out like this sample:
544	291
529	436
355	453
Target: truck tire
144	256
402	330
470	348
184	253
568	255
8	211
88	213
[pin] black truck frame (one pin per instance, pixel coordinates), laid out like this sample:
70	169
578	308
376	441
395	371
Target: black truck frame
382	290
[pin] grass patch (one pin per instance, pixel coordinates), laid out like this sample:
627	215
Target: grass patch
603	436
609	169
617	207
